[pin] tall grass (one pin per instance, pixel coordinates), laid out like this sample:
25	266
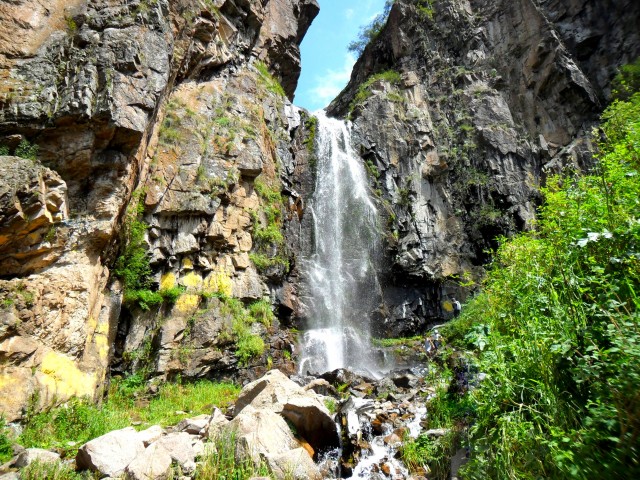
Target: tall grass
557	329
67	427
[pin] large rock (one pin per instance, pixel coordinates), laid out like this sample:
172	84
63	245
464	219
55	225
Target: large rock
152	464
35	455
111	453
261	432
295	465
303	408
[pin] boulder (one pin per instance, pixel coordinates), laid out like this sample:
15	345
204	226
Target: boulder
180	447
303	408
217	424
261	433
152	464
295	465
150	435
194	425
29	455
111	453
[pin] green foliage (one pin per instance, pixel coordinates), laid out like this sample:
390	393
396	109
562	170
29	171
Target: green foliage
26	150
172	294
370	32
557	328
262	312
72	26
248	344
330	403
627	82
432	452
425	9
269	81
132	266
311	125
396	342
364	90
4	150
67	427
6	450
223	462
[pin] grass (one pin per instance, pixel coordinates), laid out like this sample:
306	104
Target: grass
67	427
224	464
556	329
39	470
396	342
364	90
269	81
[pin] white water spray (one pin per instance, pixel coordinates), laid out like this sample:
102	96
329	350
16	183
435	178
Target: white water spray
340	273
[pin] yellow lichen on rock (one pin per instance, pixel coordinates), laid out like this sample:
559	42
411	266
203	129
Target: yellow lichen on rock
192	281
62	379
187	303
167	281
218	282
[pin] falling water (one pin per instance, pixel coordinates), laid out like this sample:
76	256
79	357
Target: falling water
340	272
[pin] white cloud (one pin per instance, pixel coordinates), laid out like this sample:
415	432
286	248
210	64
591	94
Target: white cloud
349	13
329	85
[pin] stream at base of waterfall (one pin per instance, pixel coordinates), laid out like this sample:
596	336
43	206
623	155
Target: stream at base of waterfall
380	411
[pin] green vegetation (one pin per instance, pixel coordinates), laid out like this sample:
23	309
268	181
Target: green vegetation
132	266
269	81
556	330
364	90
170	132
223	464
370	32
627	82
425	8
267	228
24	150
67	427
311	125
39	470
396	342
261	311
6	452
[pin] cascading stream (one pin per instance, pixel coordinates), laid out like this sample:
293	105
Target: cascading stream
340	272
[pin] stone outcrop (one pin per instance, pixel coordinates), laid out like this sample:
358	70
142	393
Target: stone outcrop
487	98
93	90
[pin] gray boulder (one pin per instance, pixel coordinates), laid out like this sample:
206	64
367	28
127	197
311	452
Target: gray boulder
111	453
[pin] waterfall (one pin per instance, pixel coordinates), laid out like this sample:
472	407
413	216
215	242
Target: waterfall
340	271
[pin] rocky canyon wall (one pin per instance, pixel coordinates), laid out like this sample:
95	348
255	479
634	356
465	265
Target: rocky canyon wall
461	109
151	113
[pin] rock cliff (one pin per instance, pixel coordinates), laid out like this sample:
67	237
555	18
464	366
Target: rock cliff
155	115
461	108
154	174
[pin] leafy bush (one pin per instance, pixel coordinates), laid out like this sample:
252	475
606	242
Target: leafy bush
557	327
627	82
262	312
26	150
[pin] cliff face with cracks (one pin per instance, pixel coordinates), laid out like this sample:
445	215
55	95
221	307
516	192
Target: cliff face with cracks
171	118
480	101
161	98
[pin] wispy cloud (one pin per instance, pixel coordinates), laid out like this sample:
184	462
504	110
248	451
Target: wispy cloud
349	13
329	85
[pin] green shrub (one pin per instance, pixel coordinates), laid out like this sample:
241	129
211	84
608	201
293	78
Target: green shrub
67	427
249	346
262	312
557	327
370	32
4	150
627	81
172	294
364	90
6	445
26	150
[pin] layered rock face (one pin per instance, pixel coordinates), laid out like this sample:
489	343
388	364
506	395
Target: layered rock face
157	97
486	99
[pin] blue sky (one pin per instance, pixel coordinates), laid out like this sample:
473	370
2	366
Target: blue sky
326	63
